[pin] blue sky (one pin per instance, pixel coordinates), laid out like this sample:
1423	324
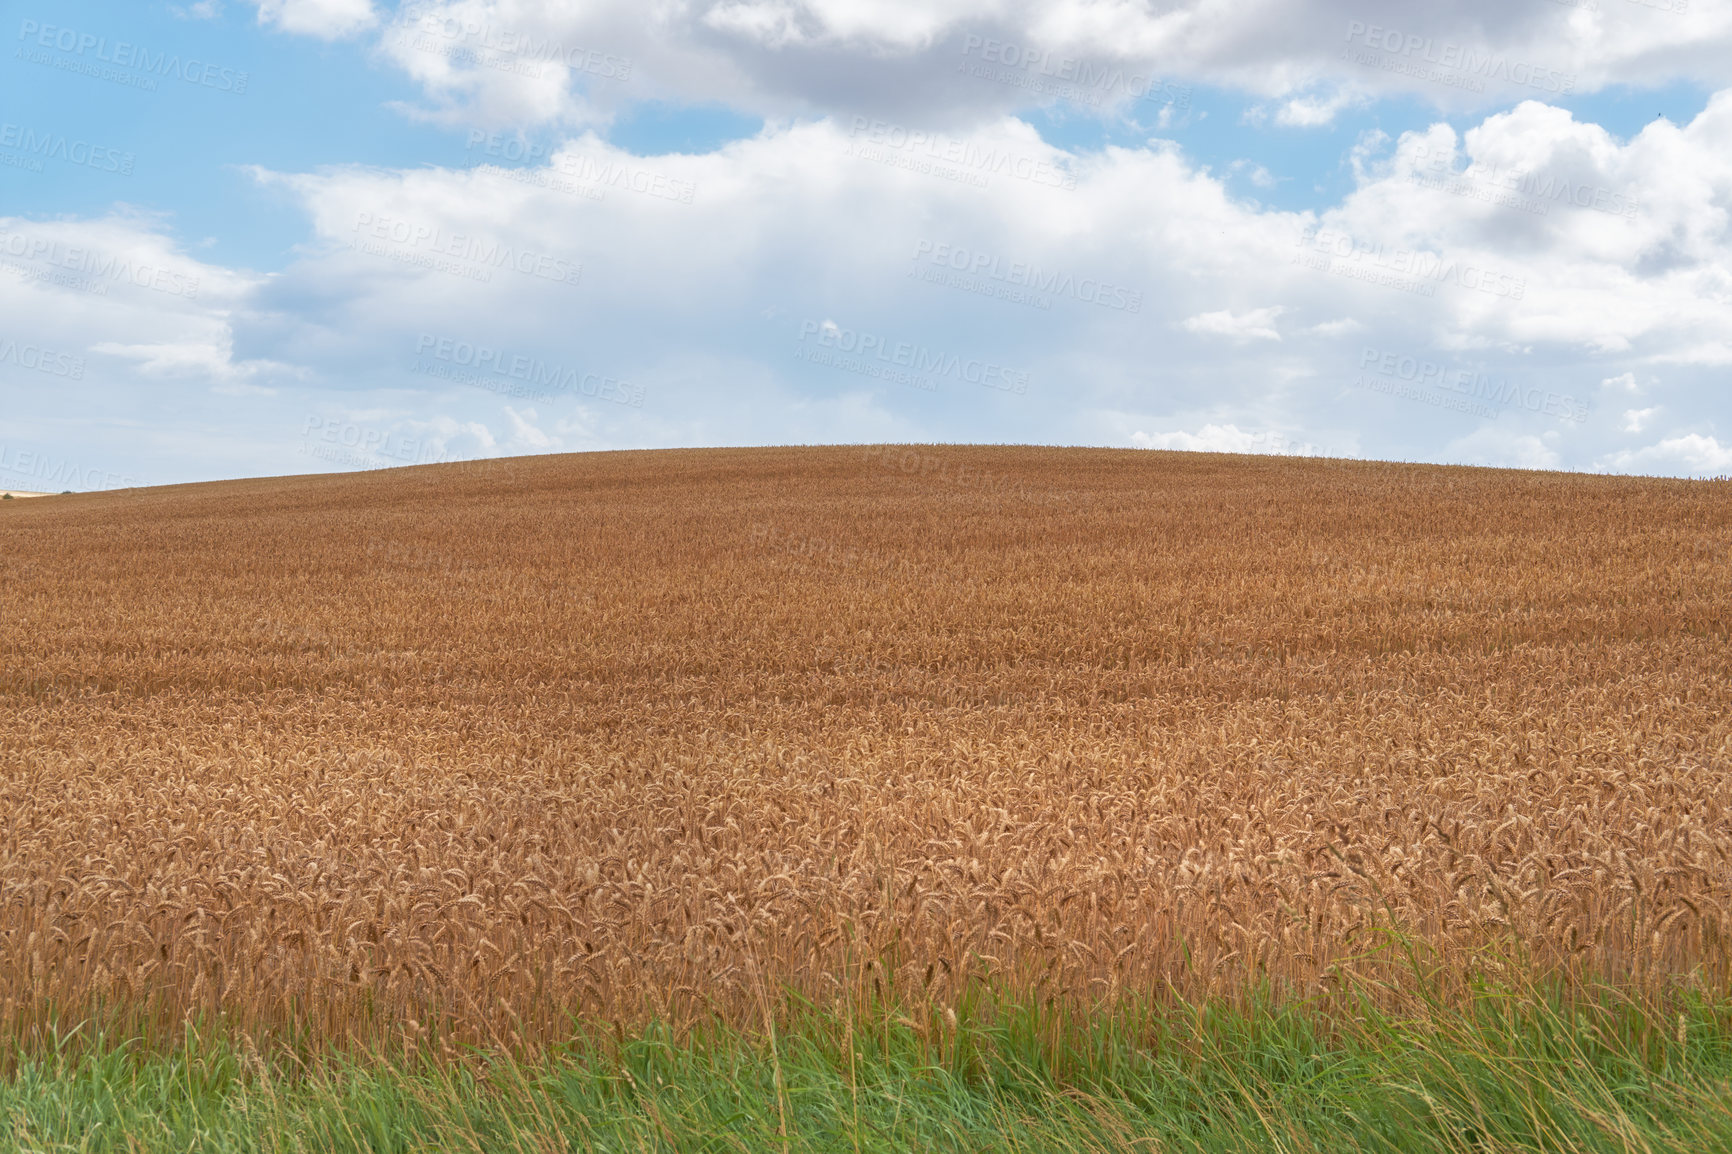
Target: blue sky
772	221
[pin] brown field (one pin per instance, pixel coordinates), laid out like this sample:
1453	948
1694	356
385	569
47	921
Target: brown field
453	752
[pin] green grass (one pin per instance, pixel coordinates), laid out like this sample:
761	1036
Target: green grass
1513	1073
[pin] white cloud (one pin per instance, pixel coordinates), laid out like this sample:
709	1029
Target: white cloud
703	302
1635	420
1603	246
912	58
1228	438
1255	173
122	288
324	19
1256	325
1693	454
905	25
205	355
1502	448
1314	111
1208	439
526	433
1711	352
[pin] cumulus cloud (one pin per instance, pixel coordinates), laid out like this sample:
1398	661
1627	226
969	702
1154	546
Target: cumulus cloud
1226	439
152	328
1693	454
1256	325
1503	448
950	63
123	287
789	287
1312	111
324	19
1635	420
205	354
1608	247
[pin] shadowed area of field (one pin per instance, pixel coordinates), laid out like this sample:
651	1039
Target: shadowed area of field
453	752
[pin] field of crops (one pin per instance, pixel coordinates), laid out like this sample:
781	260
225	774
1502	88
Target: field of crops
445	755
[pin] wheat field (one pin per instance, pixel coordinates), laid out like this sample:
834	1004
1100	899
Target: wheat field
456	754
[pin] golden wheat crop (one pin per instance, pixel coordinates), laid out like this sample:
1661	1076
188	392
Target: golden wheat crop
450	754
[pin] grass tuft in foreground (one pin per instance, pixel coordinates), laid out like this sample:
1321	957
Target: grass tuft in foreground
1513	1073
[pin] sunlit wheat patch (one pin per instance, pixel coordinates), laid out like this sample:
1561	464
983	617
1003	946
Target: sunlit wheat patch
447	758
